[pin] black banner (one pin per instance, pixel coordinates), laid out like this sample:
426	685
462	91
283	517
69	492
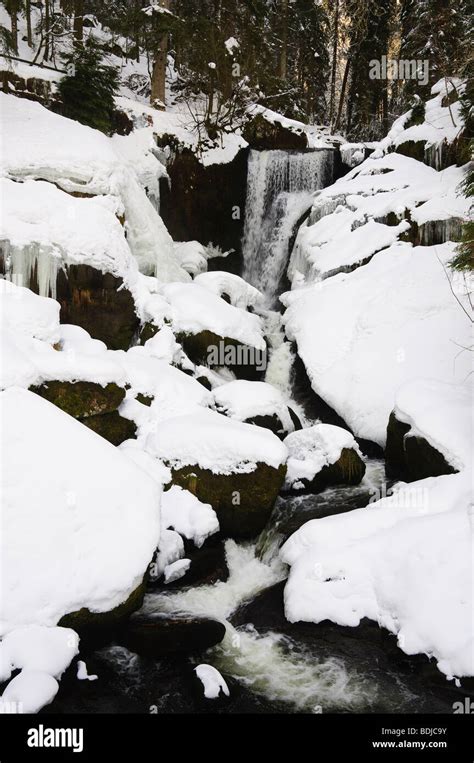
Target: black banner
134	737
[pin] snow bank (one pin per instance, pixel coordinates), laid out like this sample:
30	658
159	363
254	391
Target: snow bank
363	334
441	414
77	526
24	312
214	442
243	400
313	448
36	647
404	561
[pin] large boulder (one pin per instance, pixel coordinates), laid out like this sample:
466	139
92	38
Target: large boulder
320	456
82	399
266	134
215	351
161	635
70	520
237	468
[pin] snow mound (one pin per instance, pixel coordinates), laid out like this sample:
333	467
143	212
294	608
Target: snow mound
28	314
404	561
243	400
77	527
192	256
212	681
214	442
313	448
441	414
240	293
187	515
384	324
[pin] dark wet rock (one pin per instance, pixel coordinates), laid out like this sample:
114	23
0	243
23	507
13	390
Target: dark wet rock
161	635
208	563
264	135
97	628
409	457
246	362
414	149
242	501
204	381
292	512
112	427
98	303
206	204
148	331
81	399
295	419
145	399
271	422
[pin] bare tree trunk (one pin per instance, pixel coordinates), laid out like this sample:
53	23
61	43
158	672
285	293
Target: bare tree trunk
78	22
334	62
158	77
29	33
47	21
14	25
343	92
284	40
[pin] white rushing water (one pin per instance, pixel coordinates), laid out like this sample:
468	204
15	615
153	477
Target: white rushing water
280	185
270	663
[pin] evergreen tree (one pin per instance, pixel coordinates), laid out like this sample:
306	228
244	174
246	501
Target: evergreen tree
88	92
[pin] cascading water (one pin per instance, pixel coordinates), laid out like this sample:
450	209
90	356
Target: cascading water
279	190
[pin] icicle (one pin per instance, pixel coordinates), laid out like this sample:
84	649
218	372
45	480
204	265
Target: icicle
279	190
26	261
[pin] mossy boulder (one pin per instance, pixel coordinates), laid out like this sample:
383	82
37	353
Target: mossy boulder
112	427
148	331
98	303
349	469
98	627
243	502
82	399
409	457
210	349
271	422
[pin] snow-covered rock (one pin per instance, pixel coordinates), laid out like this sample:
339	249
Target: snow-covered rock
184	513
363	334
322	455
240	293
237	468
255	403
405	561
71	519
212	681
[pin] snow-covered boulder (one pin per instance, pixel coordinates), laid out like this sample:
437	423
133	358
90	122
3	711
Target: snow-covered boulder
237	468
214	332
361	335
320	456
405	561
231	287
83	507
254	403
429	431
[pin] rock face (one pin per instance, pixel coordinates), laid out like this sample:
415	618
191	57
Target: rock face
264	135
93	405
409	457
96	302
245	361
204	203
161	635
242	501
82	399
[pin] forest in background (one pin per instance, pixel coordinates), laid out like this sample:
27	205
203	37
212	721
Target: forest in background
307	59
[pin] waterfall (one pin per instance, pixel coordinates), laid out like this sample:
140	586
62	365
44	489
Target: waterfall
279	190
